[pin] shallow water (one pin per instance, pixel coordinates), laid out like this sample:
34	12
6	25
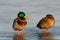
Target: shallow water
33	33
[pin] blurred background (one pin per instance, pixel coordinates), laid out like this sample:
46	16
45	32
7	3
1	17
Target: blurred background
34	9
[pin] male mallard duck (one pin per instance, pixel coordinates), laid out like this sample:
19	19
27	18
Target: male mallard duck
46	22
20	22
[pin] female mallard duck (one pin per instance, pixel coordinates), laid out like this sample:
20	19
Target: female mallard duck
46	22
20	22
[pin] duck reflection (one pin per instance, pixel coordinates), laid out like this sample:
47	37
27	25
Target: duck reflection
45	36
19	37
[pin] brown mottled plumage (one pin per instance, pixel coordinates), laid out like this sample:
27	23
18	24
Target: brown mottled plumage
46	22
19	24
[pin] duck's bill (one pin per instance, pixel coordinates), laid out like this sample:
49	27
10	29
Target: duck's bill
25	17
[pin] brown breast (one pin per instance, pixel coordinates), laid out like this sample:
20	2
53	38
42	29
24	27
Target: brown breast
21	22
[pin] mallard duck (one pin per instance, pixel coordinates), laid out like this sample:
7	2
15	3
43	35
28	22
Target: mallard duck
46	22
20	22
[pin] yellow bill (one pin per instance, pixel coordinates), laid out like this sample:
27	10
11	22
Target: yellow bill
25	17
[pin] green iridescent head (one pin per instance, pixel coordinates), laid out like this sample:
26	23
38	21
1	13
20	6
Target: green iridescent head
21	14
